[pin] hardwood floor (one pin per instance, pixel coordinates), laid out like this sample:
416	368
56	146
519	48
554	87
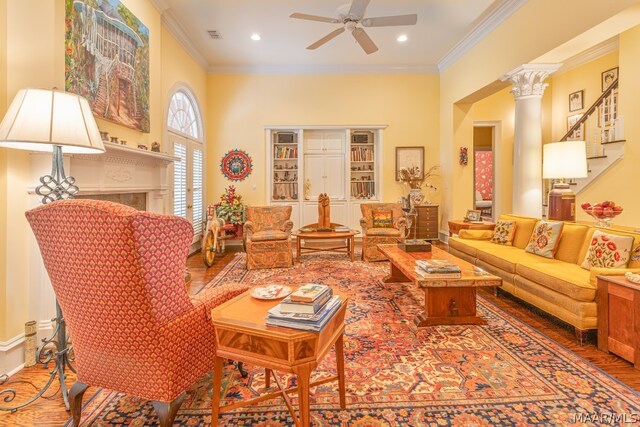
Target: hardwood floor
51	411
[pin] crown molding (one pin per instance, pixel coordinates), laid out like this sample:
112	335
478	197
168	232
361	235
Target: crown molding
590	54
324	69
493	17
170	22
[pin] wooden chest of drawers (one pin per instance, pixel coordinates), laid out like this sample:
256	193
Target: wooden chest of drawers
427	222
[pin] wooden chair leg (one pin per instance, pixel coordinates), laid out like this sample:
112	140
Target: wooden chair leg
75	401
167	411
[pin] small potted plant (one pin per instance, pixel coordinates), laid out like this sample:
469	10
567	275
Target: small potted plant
231	209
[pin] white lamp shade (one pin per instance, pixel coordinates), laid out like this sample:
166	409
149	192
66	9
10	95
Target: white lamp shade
567	159
38	119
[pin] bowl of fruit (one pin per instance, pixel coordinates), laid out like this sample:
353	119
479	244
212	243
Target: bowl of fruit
603	212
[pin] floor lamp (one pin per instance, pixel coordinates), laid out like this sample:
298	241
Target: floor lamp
51	120
560	160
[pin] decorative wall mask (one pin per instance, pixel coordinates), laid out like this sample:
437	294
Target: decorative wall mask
236	165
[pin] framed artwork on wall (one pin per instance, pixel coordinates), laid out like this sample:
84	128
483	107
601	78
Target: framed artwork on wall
411	158
576	101
577	134
609	77
107	61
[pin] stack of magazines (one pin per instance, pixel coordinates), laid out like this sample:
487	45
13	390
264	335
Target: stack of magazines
437	269
309	308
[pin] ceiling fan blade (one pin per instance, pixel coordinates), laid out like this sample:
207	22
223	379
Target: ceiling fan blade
364	41
313	18
390	21
326	38
358	7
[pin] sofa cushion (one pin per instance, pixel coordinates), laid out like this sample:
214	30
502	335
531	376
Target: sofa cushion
571	241
463	245
261	236
524	228
544	238
388	232
501	256
608	250
504	232
565	278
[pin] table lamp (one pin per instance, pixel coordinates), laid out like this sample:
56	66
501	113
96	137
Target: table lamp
561	160
45	120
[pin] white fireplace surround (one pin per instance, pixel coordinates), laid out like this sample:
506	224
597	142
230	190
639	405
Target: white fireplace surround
120	170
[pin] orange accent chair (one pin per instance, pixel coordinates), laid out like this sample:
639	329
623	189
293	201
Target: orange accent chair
374	234
267	237
118	275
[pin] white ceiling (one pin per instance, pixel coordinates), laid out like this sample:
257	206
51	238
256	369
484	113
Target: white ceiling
442	26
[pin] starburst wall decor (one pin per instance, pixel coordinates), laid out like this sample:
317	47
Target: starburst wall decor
236	165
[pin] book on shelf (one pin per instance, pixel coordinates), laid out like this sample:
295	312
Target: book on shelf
289	306
307	322
309	292
423	274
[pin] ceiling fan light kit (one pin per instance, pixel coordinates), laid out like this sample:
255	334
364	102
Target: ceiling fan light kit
350	21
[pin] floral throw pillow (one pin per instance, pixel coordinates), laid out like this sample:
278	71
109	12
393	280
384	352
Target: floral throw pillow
383	219
504	232
544	239
608	250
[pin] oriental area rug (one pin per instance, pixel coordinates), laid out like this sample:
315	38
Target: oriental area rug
504	373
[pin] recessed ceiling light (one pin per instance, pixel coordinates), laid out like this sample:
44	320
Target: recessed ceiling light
255	36
402	38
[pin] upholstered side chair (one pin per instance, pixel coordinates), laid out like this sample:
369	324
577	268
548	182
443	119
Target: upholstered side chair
382	223
267	237
118	275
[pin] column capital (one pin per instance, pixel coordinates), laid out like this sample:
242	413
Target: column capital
528	79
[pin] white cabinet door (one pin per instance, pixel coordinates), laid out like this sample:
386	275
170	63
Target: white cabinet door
313	142
314	174
333	142
334	176
338	213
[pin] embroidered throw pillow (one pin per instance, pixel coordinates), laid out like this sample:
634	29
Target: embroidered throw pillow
383	219
504	232
544	239
608	250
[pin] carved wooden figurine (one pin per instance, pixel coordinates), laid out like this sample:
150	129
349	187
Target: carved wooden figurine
324	211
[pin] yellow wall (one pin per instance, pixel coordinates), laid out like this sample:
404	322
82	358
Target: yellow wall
516	41
241	105
482	137
3	169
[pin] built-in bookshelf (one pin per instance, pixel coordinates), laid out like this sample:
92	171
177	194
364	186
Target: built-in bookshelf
285	166
363	165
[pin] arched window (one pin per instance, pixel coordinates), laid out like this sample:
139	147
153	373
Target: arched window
185	133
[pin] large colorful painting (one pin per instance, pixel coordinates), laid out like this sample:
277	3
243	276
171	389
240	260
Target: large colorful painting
107	60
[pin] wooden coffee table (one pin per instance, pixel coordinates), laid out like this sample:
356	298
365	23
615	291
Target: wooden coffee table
456	225
446	301
242	335
344	241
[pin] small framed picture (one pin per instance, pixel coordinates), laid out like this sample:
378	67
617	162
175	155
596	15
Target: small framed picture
473	215
609	77
576	101
411	158
577	134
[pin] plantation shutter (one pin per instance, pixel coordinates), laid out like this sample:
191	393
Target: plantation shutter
197	191
180	180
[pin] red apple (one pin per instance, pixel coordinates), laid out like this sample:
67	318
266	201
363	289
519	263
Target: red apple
607	212
606	203
617	208
586	205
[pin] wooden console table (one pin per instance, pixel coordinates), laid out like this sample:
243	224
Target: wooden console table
242	335
426	222
619	317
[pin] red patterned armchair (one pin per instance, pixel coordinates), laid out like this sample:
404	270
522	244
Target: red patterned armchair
118	275
267	237
382	223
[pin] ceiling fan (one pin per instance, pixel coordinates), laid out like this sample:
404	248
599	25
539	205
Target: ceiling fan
350	21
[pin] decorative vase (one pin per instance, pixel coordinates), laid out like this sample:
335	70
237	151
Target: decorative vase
30	344
416	196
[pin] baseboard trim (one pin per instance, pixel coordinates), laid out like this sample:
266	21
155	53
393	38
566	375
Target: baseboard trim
12	350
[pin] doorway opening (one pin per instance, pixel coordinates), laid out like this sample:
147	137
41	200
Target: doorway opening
483	182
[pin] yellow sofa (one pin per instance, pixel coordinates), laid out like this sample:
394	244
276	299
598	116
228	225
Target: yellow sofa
559	286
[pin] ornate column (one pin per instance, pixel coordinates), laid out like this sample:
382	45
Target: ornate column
528	88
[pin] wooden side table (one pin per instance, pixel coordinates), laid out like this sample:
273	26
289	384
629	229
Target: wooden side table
456	225
242	335
619	317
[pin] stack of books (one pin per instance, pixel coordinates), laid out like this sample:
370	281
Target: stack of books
309	308
342	229
437	269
